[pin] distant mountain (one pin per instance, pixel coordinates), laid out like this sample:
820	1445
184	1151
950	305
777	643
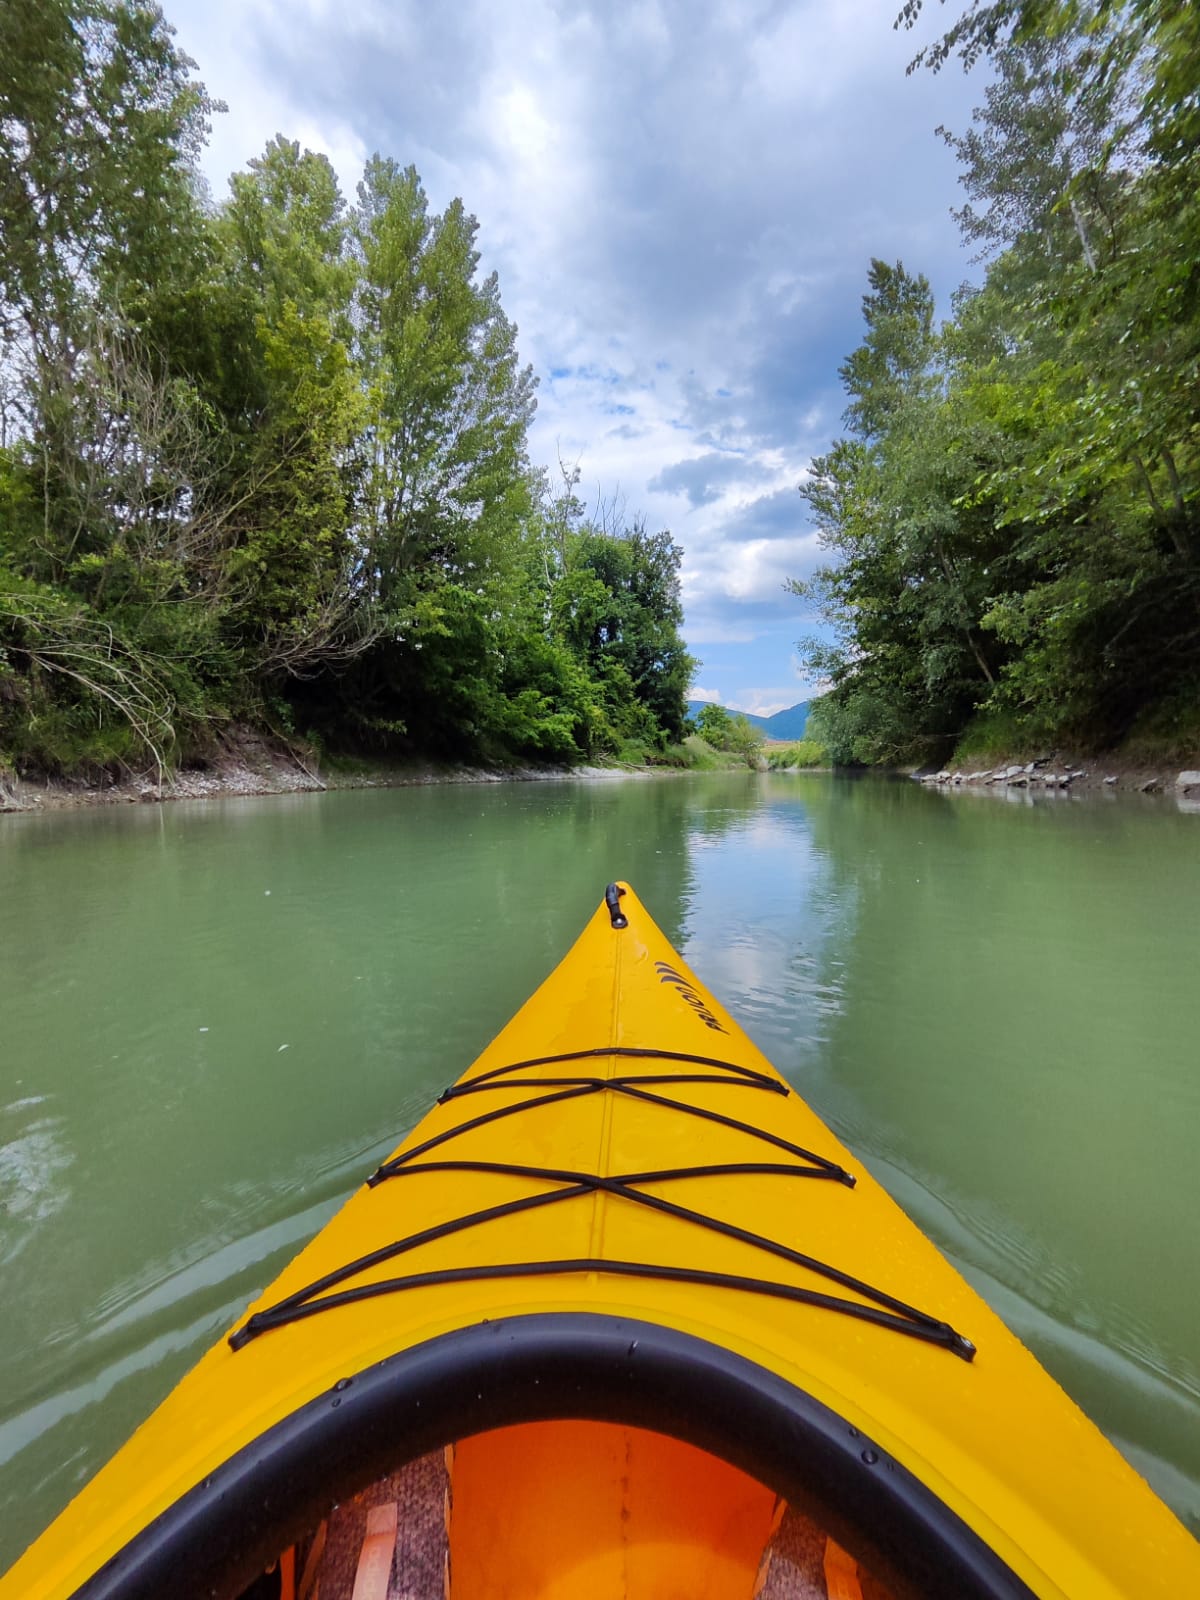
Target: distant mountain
788	724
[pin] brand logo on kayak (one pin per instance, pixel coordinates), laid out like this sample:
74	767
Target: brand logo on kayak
668	974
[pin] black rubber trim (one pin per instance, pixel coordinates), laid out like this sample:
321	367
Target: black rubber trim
214	1541
612	899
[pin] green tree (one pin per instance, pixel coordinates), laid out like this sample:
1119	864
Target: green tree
1155	42
736	734
100	122
1099	486
714	725
286	231
1014	518
617	605
444	495
907	591
443	471
892	363
290	569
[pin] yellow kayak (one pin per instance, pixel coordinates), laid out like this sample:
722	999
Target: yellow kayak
620	1318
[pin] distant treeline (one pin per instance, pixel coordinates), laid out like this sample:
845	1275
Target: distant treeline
1014	513
265	461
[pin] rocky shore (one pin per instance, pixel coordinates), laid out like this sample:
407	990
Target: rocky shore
247	764
1057	774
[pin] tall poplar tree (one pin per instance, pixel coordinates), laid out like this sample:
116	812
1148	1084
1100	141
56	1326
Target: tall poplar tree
100	123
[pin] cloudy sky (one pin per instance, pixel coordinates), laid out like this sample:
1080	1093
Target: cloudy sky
681	198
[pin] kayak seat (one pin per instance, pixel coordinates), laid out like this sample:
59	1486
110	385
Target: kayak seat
387	1543
570	1511
805	1564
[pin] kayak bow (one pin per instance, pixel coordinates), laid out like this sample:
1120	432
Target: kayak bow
660	1321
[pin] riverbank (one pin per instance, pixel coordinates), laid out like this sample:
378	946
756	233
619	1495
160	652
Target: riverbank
1061	773
246	763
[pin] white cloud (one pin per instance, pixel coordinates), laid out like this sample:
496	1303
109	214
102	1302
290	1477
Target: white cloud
764	702
709	631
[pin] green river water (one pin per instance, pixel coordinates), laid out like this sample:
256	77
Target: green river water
215	1017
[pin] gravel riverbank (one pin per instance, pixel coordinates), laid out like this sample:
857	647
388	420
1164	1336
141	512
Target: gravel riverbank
247	764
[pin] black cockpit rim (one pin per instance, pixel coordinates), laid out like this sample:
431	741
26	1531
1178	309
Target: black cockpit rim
551	1367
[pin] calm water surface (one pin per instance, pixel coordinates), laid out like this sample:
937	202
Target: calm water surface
214	1018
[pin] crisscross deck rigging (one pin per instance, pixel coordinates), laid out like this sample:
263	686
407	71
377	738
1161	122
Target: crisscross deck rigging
881	1308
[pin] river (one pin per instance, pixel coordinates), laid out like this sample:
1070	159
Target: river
216	1016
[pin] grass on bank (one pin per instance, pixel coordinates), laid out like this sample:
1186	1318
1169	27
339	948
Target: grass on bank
692	755
1170	732
992	736
1167	734
695	754
801	756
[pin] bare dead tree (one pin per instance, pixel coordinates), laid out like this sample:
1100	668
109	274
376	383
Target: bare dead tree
62	640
